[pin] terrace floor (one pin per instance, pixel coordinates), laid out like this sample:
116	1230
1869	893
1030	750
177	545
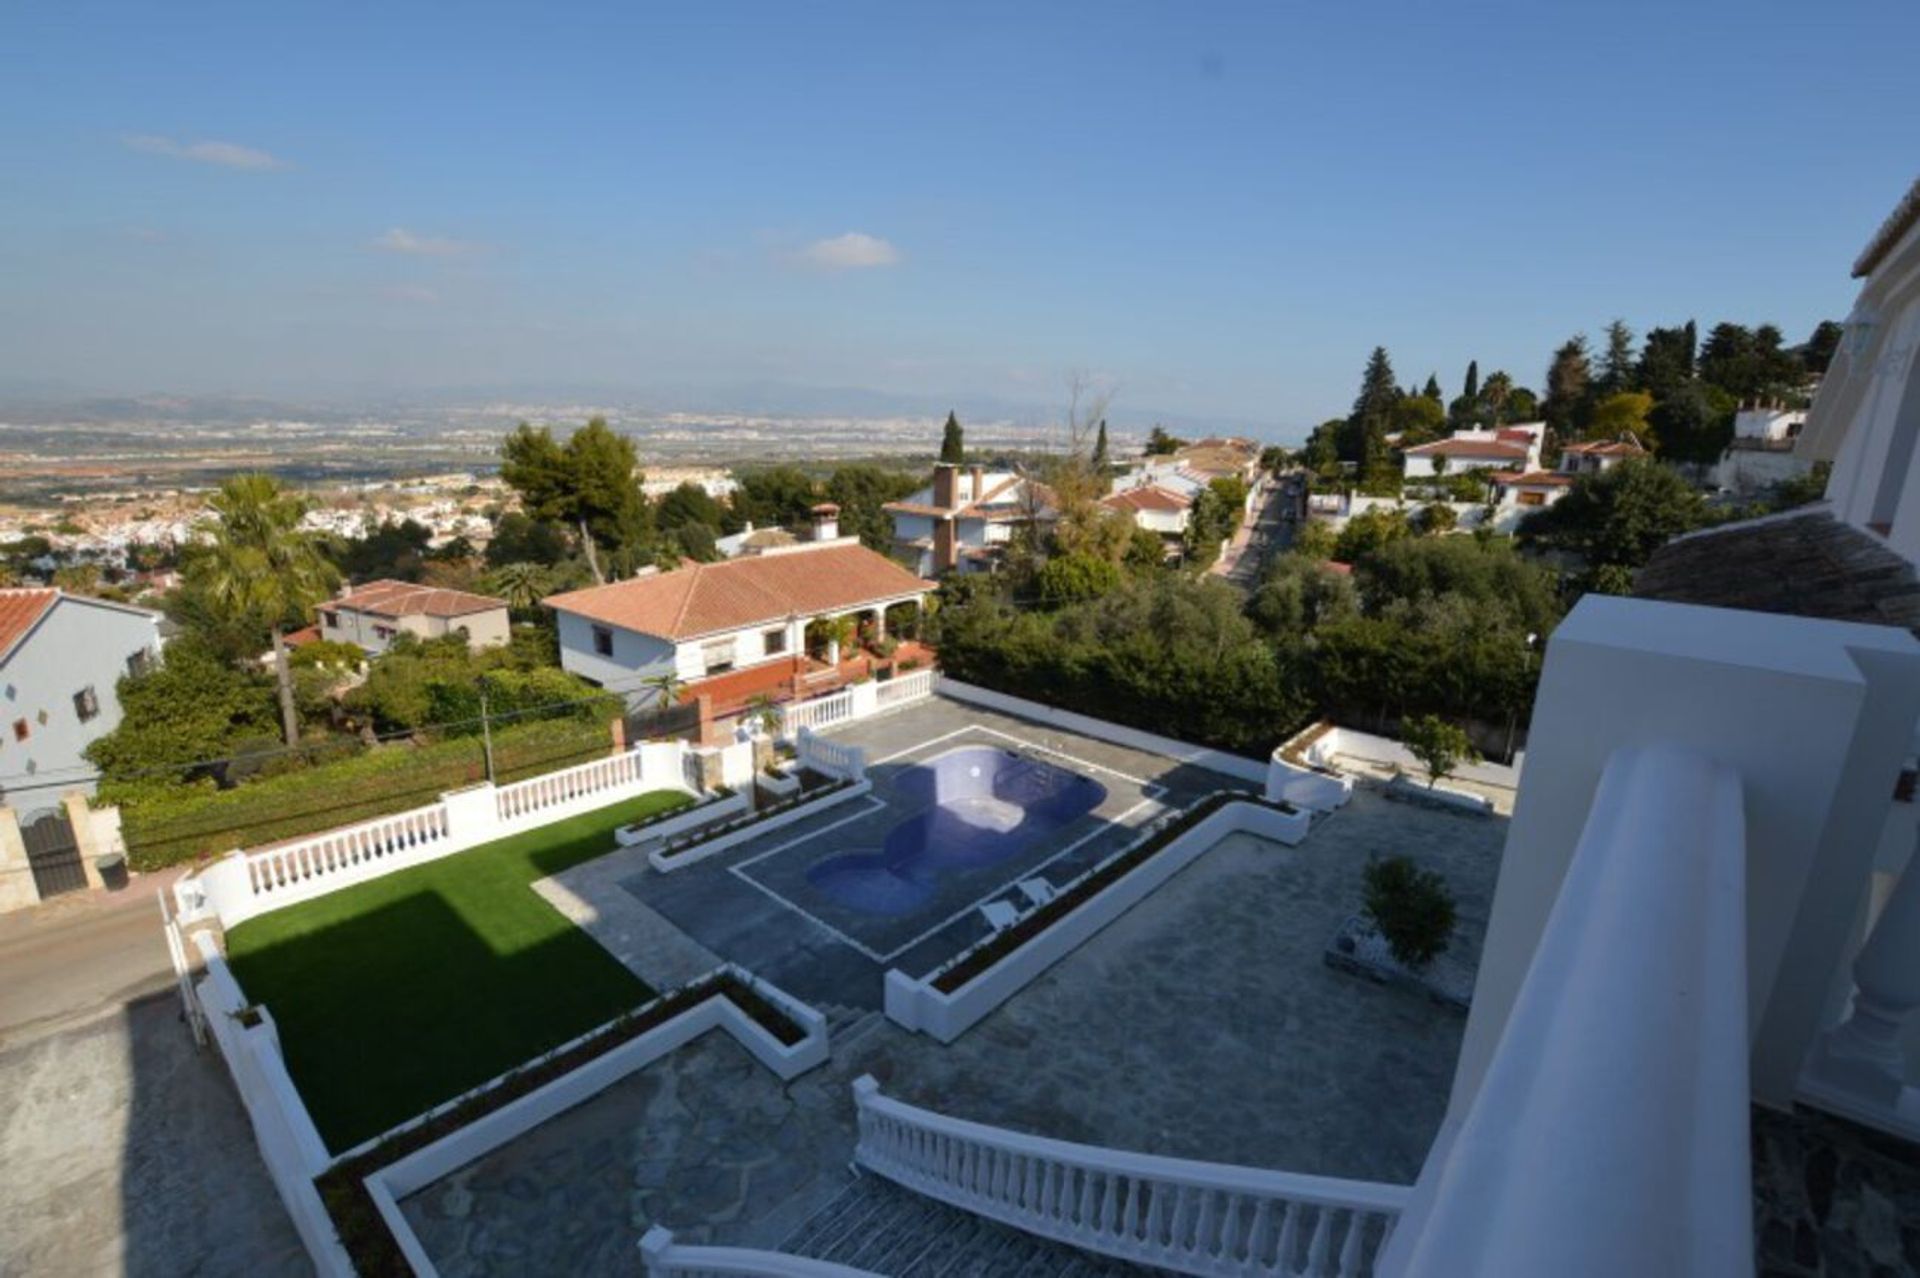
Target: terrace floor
1201	1024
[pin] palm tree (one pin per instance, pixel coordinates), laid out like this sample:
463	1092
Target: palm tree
669	685
259	564
522	585
764	713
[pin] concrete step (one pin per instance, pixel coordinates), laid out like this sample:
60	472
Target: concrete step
880	1227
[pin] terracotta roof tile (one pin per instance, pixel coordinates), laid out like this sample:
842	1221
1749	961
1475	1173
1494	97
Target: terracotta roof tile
1146	497
1470	448
1537	478
20	611
736	593
410	599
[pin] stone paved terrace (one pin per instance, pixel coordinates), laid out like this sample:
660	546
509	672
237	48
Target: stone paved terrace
1202	1024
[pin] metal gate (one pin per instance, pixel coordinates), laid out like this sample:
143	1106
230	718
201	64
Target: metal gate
53	853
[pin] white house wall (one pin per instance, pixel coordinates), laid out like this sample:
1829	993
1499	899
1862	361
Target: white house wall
76	644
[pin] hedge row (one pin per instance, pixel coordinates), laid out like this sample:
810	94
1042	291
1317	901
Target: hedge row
185	822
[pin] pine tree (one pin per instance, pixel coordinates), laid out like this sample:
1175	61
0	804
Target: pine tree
1364	439
1472	390
1617	364
1432	389
953	447
1100	449
1567	379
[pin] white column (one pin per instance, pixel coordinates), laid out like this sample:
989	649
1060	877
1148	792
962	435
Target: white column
1863	1055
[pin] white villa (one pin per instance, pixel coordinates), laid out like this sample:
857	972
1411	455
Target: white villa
745	618
1595	456
1506	448
962	521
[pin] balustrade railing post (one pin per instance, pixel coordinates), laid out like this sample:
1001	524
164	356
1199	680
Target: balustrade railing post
1864	1055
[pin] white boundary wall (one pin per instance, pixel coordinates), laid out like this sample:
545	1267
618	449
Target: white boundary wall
705	812
1239	767
1313	782
289	1143
241	885
665	1258
917	1004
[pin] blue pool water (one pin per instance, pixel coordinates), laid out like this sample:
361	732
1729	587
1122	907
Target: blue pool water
984	805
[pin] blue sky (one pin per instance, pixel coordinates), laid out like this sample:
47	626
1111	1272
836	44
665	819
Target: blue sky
1218	208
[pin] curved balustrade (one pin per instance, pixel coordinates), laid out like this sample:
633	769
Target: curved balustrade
667	1259
1194	1217
277	869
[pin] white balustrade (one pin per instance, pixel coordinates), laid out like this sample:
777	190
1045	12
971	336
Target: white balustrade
295	864
904	688
816	713
1860	1067
1174	1213
553	789
832	758
665	1258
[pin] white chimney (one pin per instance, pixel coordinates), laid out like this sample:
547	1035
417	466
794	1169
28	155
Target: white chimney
826	522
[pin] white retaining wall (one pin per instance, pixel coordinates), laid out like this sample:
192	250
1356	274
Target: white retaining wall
289	1143
1236	766
703	813
241	886
1312	783
916	1004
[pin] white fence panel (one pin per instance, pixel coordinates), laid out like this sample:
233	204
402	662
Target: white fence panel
904	688
833	758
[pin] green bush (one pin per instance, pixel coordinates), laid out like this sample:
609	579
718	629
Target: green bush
166	822
1412	908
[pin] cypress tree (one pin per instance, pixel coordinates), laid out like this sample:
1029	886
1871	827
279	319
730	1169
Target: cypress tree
1364	439
953	447
1432	390
1472	391
1100	448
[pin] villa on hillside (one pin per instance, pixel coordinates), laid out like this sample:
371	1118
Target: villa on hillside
1159	508
1507	448
1596	456
963	520
741	627
374	615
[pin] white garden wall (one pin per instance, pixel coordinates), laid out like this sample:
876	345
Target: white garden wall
916	1004
754	829
241	886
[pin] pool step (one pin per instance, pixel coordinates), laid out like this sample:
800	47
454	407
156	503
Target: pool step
882	1228
848	1025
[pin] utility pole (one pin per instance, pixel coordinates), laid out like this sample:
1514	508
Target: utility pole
486	733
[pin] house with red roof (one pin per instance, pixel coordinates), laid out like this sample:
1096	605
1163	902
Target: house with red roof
735	628
61	660
374	615
1158	508
1591	457
1507	448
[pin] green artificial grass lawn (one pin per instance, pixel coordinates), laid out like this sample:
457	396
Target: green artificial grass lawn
404	992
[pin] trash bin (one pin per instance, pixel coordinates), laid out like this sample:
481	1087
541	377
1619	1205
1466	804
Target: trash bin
113	871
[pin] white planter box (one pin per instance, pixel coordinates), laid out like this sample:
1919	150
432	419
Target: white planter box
780	786
752	830
1439	796
680	822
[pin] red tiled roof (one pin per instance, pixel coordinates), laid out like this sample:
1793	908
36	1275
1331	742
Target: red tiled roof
1470	448
20	611
1531	478
410	599
302	637
737	593
1607	448
1335	566
1146	497
1513	436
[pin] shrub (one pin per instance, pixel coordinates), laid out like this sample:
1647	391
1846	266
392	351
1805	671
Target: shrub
1412	908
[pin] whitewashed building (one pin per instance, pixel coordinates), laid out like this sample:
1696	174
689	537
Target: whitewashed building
61	660
1508	448
374	615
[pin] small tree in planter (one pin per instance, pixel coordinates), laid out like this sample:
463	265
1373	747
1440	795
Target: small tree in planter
1440	746
763	715
1411	907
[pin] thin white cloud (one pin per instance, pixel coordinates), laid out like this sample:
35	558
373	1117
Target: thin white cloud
228	155
854	251
401	240
411	293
